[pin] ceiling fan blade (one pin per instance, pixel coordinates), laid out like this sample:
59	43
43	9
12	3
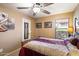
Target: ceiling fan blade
47	4
23	7
45	11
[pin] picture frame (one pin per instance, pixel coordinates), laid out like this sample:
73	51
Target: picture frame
6	23
3	30
47	24
10	25
38	25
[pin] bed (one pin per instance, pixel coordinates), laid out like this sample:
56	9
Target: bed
48	47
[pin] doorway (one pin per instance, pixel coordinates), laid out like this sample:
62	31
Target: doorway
26	30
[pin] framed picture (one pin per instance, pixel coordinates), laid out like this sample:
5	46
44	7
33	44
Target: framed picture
3	30
9	25
6	23
38	25
47	24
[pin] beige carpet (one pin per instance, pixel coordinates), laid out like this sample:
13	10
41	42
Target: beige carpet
13	53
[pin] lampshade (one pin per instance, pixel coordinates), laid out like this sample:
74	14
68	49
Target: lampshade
70	30
36	10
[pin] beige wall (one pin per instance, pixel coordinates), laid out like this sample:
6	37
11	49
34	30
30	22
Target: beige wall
50	32
76	15
33	32
10	40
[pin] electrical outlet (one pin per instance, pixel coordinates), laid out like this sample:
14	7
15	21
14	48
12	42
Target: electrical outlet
1	49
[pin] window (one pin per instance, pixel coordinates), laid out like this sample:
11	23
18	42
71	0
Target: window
62	23
61	28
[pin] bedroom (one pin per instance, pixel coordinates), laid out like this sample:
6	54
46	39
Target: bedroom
26	26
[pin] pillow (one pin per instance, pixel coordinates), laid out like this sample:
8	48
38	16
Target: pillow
66	42
70	46
69	38
73	51
43	38
74	41
50	39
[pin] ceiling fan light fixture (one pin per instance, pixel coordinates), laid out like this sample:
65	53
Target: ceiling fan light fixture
36	10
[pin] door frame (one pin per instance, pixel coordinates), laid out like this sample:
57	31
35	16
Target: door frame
29	28
27	25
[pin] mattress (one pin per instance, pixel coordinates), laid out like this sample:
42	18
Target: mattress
45	48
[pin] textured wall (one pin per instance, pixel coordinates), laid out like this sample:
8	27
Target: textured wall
50	32
10	40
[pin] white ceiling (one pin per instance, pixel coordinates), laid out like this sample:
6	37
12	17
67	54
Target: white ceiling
55	8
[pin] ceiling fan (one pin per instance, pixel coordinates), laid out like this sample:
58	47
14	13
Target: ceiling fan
37	7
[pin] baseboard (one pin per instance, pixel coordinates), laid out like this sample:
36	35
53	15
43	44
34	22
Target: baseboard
9	54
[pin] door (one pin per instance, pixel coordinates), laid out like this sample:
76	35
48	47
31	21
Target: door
26	30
